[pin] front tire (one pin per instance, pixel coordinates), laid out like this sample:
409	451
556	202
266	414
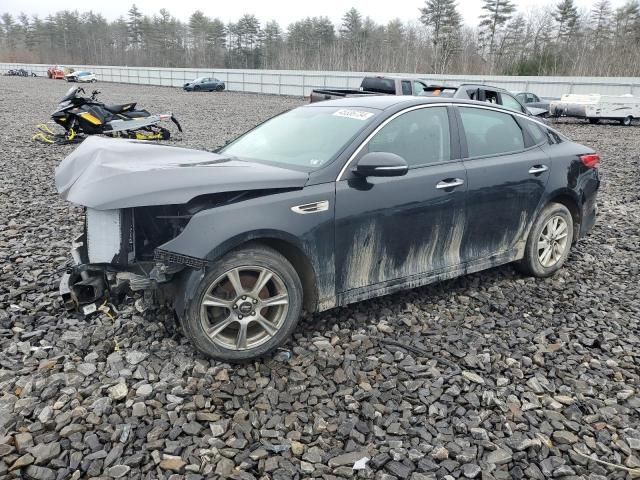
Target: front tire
248	304
626	121
196	89
549	242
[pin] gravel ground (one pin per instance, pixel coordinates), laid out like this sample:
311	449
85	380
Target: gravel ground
488	376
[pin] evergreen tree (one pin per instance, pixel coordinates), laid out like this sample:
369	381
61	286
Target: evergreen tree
601	21
134	25
566	16
442	17
498	13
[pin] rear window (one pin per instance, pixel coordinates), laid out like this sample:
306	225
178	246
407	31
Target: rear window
538	132
379	85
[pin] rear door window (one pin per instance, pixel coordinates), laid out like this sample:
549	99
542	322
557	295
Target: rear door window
418	88
489	132
419	136
406	87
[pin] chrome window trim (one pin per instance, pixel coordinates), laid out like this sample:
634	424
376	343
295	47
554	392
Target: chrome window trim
504	110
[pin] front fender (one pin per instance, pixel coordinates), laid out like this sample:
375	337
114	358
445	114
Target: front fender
212	233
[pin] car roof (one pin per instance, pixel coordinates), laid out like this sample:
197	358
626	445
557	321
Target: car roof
383	102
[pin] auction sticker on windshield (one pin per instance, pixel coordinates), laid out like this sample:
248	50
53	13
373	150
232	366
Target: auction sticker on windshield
355	114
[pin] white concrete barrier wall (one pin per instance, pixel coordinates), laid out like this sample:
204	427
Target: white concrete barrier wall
300	83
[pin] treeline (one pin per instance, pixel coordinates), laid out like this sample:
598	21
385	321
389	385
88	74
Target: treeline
557	39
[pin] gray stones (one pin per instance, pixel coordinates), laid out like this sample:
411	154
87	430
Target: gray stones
36	472
134	357
139	409
23	441
473	377
471	470
499	456
86	369
346	459
564	437
172	463
218	428
118	471
118	391
69	430
144	390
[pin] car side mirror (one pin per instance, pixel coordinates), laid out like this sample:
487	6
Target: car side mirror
381	164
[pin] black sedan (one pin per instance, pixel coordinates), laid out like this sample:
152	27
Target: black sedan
322	206
204	84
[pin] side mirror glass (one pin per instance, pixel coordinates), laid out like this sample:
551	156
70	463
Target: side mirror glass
381	164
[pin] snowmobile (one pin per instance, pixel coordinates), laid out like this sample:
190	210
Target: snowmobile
81	115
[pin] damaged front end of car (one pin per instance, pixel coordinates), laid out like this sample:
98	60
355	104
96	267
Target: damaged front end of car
137	197
115	257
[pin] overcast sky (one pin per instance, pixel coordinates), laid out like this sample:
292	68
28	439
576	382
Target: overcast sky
284	12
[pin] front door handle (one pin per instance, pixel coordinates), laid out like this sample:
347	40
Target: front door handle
536	169
449	183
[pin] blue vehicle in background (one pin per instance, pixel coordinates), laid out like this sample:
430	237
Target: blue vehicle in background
205	84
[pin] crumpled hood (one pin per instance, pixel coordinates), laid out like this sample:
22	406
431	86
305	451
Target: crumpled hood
104	173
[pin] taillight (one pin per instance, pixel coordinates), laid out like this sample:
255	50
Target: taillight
591	160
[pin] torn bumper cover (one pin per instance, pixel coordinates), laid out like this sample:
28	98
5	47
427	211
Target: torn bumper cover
84	286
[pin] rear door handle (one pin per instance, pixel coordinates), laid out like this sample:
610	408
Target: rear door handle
538	169
450	183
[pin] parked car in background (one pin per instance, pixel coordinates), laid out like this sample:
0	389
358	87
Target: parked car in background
58	72
81	77
20	72
205	84
377	85
321	206
482	93
531	100
595	107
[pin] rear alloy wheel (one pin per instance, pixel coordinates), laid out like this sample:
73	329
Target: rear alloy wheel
246	306
626	121
549	241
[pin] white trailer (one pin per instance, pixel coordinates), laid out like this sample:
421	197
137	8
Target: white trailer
595	107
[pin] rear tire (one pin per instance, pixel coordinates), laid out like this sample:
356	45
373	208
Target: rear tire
267	314
549	242
219	88
626	121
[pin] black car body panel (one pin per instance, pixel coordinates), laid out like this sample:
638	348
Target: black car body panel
355	237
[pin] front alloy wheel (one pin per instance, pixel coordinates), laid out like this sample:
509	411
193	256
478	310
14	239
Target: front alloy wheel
247	304
244	307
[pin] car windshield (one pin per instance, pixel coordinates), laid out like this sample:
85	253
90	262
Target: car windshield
305	137
199	80
70	94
